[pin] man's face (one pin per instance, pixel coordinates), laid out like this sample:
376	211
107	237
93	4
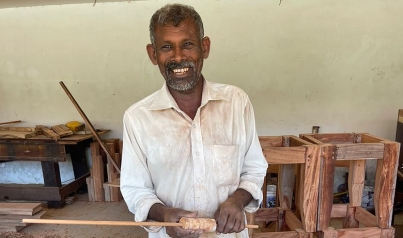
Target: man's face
179	53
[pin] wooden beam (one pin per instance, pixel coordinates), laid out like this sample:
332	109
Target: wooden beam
326	183
309	186
356	179
338	211
365	218
385	184
284	155
359	151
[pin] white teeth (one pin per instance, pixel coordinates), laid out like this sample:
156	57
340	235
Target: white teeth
180	71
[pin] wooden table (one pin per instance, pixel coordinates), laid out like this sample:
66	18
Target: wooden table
49	152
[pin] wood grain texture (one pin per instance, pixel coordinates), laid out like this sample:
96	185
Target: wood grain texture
365	218
385	183
309	186
338	211
19	208
326	183
284	155
359	151
356	179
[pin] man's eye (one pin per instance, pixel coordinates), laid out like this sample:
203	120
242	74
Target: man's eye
187	44
166	47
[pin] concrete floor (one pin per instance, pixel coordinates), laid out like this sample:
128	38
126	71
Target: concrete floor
81	209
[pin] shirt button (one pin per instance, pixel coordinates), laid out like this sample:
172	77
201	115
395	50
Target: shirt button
193	125
200	207
200	180
197	153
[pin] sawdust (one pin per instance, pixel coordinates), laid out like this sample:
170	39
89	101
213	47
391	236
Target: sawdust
24	235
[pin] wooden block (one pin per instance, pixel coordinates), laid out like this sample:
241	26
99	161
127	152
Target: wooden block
90	188
98	178
107	192
20	208
114	190
62	130
16	218
49	133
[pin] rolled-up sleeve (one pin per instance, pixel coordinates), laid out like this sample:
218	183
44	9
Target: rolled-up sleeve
135	180
255	165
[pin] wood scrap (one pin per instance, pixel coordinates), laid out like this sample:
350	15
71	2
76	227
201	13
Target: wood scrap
11	208
62	130
12	214
9	122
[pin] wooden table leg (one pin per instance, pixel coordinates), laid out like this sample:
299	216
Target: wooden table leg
51	178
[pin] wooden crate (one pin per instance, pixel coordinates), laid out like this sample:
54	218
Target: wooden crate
298	163
353	150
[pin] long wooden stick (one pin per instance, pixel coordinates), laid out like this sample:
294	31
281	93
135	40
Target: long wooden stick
92	129
107	223
9	122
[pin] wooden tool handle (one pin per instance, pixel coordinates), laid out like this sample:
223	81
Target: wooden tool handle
109	223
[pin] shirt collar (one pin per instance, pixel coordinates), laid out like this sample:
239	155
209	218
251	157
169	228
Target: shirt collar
164	99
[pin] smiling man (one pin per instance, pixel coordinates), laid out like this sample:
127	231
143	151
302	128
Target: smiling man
191	148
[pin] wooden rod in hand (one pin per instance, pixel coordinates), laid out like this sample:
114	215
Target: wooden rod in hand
92	129
107	223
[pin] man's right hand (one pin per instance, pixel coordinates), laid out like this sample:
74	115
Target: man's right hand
159	212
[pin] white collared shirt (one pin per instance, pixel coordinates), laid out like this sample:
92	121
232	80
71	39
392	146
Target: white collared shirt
197	164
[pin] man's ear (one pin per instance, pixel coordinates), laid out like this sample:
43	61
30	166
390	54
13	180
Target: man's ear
206	47
152	54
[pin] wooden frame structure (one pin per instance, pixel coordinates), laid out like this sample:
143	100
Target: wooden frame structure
353	149
292	154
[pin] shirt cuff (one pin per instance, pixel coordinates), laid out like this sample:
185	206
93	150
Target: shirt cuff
143	210
256	193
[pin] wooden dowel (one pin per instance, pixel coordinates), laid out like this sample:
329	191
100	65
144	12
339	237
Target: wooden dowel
107	223
9	122
92	129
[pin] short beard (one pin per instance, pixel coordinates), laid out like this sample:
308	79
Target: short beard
181	84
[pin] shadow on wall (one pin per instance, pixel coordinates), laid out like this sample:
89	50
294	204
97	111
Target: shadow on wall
36	3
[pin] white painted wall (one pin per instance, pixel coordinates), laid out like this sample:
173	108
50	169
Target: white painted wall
336	64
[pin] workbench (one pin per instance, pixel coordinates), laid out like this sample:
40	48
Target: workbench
49	152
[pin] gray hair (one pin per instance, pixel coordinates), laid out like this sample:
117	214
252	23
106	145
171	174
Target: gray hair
174	14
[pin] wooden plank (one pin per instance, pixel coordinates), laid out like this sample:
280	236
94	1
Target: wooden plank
287	234
359	151
285	188
349	220
311	139
90	188
13	208
17	129
284	155
292	221
9	122
49	133
385	183
338	211
368	138
359	232
326	185
107	192
17	134
309	186
29	192
356	179
98	177
271	141
114	183
295	141
266	214
334	138
365	218
62	130
15	218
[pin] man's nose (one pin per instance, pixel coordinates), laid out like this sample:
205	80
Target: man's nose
178	55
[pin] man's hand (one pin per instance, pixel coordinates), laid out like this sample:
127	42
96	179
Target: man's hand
229	215
159	212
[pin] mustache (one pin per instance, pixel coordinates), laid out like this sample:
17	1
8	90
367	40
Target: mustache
183	64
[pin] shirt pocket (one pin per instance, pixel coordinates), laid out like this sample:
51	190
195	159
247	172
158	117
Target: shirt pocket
226	164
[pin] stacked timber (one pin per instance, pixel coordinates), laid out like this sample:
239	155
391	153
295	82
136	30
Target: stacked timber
11	215
103	184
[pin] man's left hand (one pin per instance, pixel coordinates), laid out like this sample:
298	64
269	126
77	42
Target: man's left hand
230	218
